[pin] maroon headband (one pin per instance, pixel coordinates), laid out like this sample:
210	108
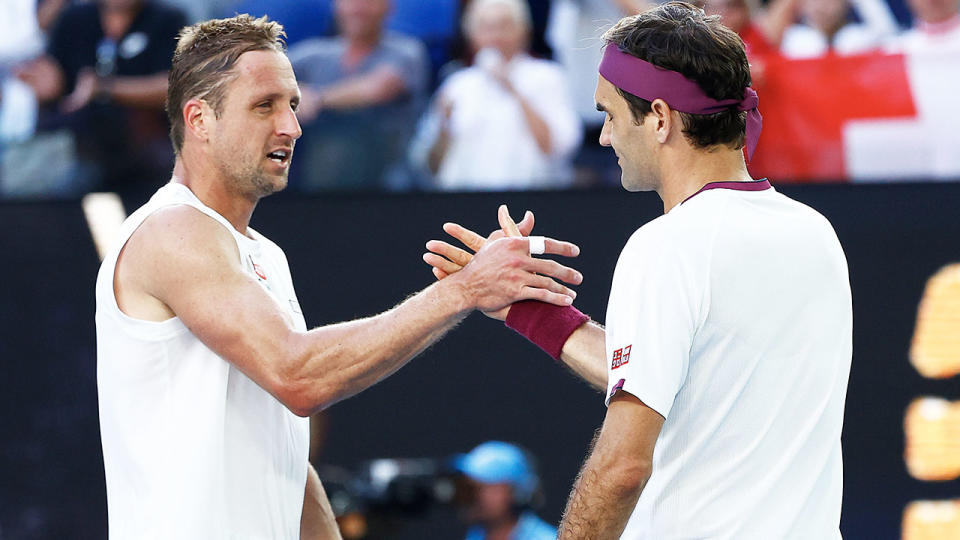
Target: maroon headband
650	82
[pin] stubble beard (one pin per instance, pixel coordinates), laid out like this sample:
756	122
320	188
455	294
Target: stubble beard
252	181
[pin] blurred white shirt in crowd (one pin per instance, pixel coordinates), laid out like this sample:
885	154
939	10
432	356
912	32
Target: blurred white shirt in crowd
574	31
876	27
20	36
941	37
491	146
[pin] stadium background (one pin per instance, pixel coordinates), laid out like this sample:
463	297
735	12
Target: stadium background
353	255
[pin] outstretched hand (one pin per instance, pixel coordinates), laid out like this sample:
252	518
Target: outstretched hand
446	259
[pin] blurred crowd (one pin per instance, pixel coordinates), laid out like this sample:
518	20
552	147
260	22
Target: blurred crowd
397	94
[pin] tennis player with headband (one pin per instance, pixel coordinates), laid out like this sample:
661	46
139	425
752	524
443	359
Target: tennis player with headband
728	342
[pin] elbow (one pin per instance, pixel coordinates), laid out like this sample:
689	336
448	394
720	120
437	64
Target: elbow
302	399
628	479
303	395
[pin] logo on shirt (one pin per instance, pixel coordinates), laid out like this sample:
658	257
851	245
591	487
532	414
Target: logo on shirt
259	271
620	357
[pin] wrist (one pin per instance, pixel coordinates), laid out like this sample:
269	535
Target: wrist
103	89
545	325
455	290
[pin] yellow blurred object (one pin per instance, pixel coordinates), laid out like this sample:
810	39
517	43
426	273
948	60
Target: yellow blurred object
935	351
352	525
932	520
932	429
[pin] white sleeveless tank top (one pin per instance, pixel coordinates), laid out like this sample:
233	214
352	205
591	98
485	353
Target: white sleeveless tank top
193	448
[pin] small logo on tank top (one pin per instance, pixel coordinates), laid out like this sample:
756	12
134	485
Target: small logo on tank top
621	357
257	269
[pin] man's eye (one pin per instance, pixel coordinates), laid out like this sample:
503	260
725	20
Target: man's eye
264	105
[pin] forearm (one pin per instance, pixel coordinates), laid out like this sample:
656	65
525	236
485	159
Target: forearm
602	499
317	521
338	361
149	91
438	150
584	353
779	16
538	127
362	91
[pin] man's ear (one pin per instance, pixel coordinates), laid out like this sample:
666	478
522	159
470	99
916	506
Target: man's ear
663	119
197	116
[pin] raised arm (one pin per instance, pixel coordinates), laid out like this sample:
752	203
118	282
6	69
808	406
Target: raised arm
583	352
182	263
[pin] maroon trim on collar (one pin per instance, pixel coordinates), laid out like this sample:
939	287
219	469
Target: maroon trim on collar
757	185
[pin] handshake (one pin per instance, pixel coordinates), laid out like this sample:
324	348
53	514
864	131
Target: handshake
500	269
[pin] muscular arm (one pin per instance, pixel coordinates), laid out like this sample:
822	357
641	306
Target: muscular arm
614	475
317	521
181	262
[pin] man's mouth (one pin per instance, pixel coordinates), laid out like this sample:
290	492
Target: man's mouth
281	156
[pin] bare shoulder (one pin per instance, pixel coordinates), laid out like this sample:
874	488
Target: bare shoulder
173	248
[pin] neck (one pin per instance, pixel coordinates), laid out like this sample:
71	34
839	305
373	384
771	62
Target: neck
687	170
501	529
215	192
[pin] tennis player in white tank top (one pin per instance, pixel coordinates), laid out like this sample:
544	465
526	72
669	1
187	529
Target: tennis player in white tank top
206	370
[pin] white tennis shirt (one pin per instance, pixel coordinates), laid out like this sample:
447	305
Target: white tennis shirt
731	317
193	448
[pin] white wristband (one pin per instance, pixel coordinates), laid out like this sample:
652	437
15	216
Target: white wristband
537	245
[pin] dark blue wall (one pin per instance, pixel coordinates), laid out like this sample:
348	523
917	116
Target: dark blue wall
354	255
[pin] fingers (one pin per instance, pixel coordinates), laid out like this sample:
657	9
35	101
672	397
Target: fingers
543	295
559	247
556	270
454	254
526	224
438	273
506	222
467	237
441	264
543	282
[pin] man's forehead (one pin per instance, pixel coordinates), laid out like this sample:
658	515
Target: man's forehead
263	72
606	93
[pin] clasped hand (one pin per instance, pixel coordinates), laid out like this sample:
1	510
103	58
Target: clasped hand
500	269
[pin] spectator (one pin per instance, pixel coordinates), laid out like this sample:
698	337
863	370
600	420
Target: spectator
936	27
362	92
105	73
507	122
574	33
761	30
502	489
827	28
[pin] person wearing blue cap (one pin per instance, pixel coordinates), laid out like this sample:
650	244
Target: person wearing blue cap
503	488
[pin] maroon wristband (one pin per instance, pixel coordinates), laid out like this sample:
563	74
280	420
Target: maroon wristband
546	325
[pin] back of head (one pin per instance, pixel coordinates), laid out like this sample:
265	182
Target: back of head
204	59
679	37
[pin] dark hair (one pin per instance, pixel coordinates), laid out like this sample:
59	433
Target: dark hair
204	59
680	37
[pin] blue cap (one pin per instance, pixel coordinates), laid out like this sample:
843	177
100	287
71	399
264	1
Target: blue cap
496	462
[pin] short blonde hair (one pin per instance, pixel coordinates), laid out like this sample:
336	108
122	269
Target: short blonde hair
204	59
